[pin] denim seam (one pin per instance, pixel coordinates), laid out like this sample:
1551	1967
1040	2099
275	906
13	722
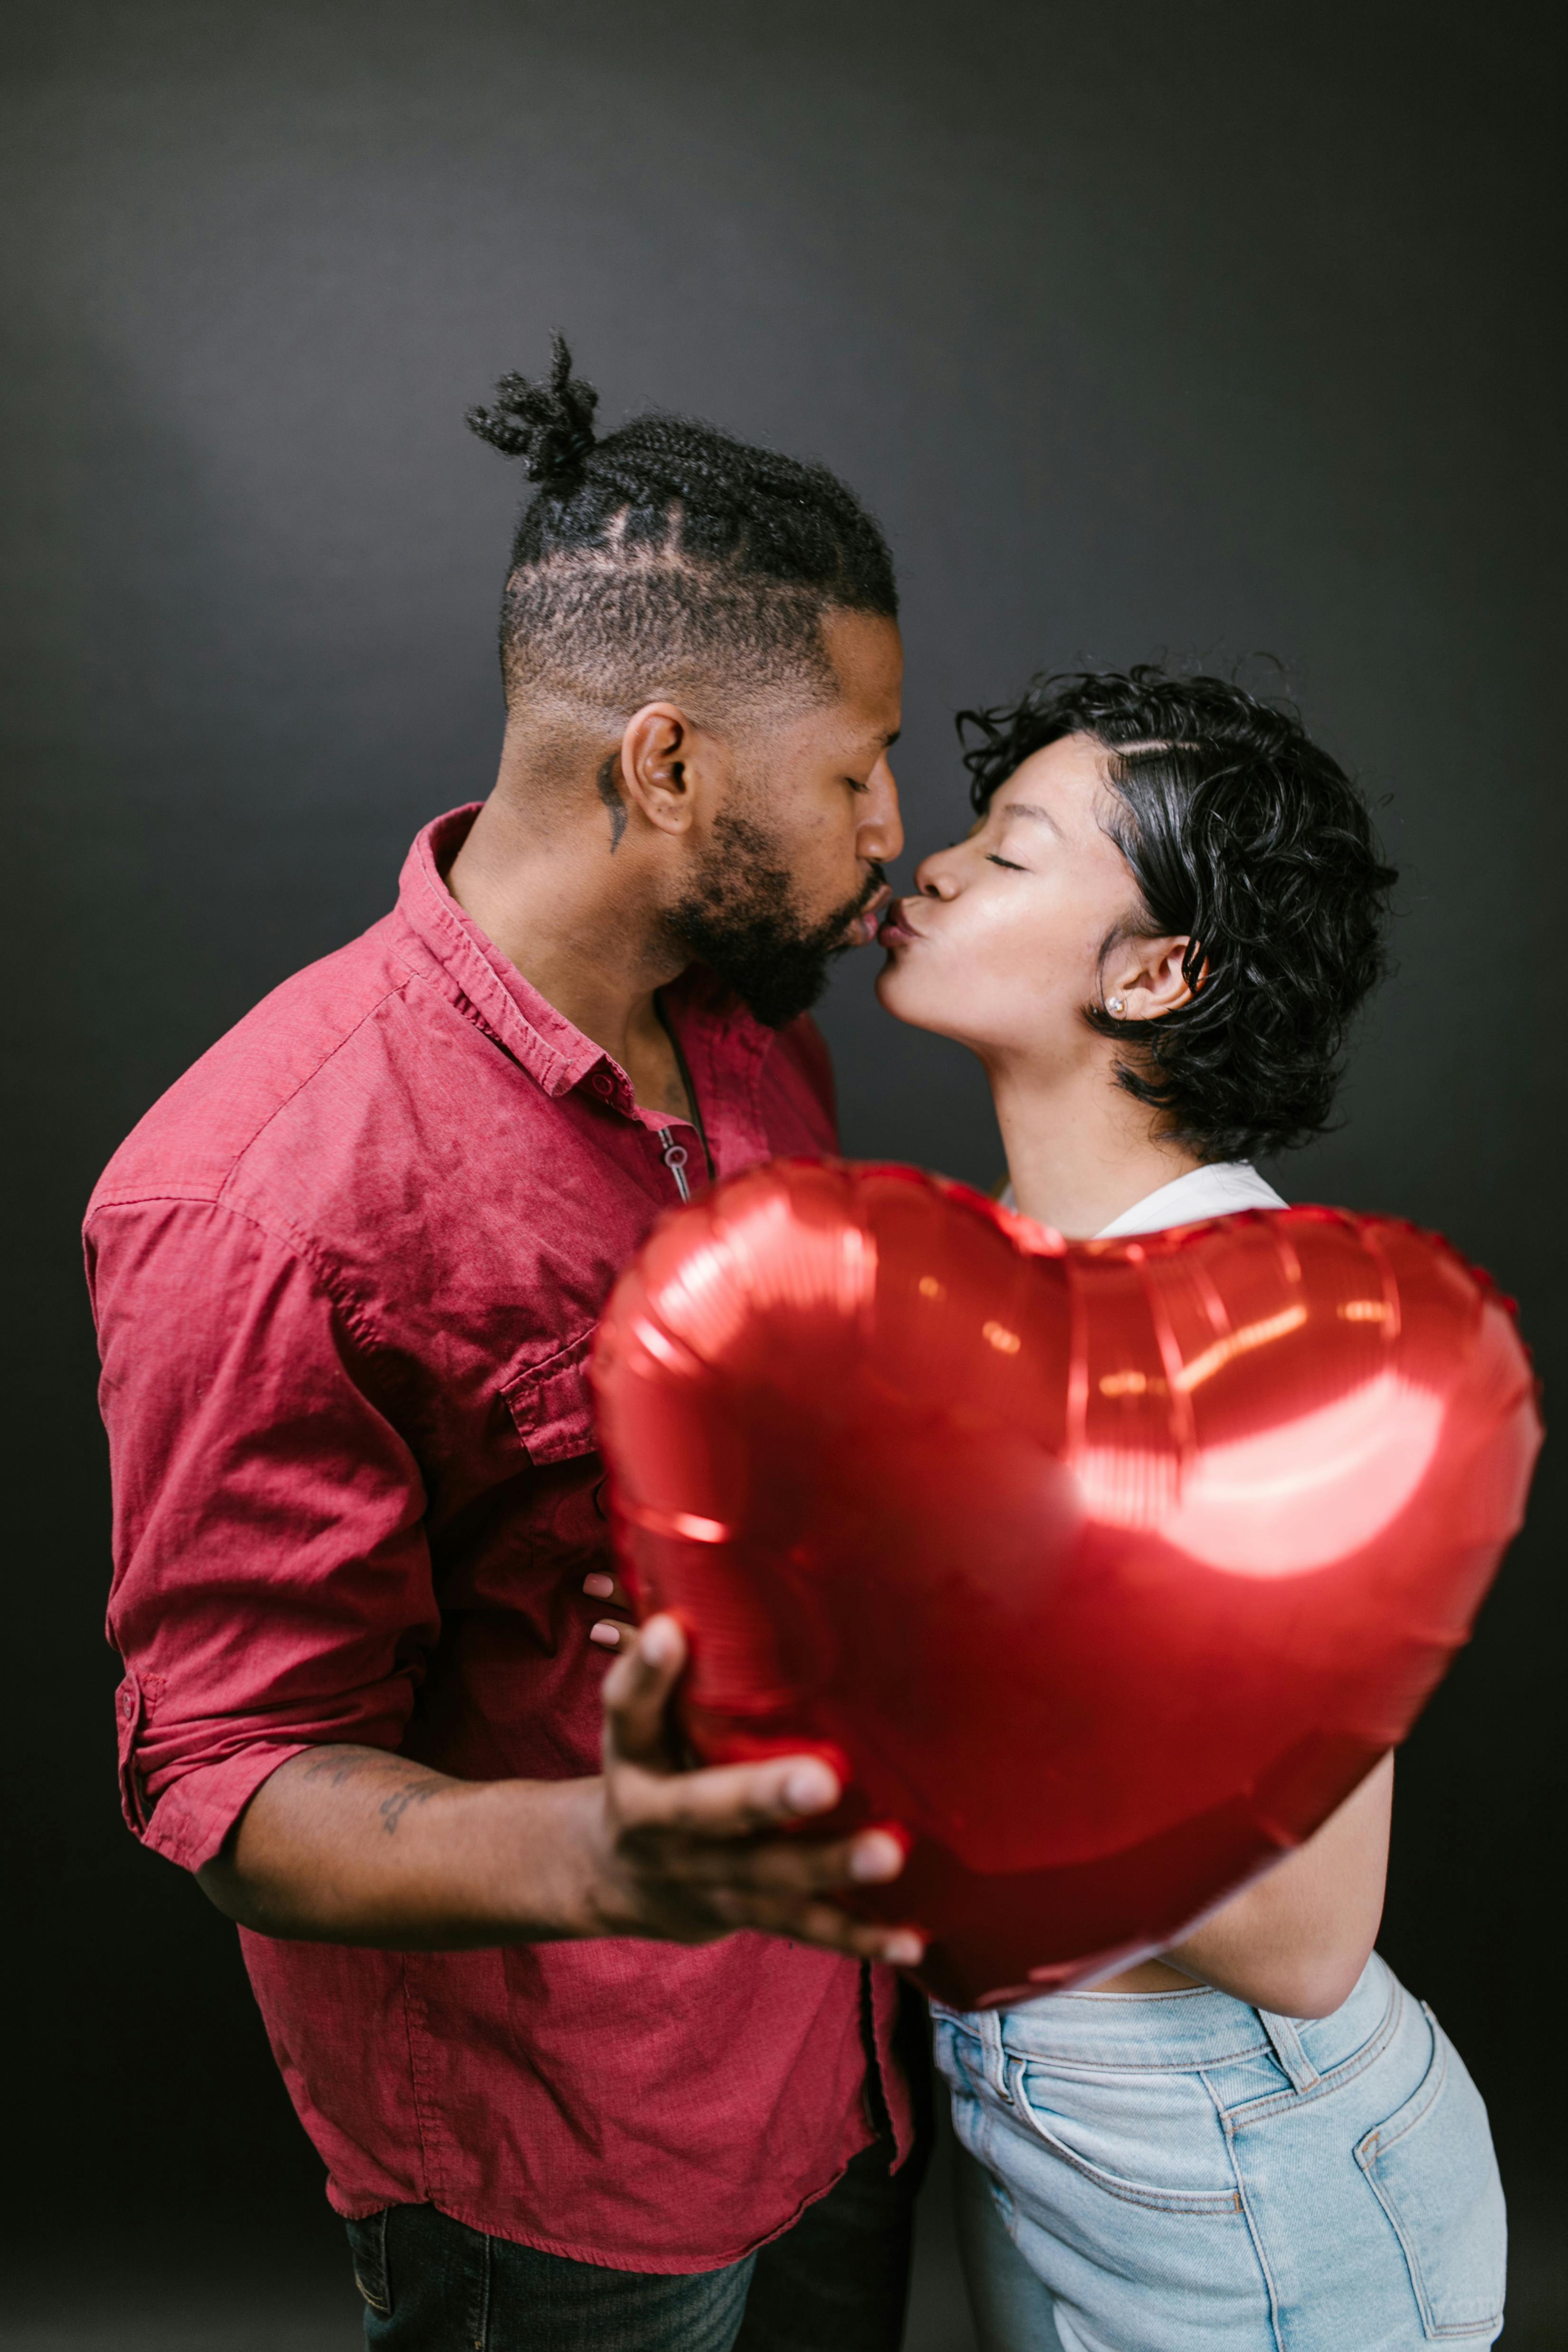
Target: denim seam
377	2290
994	2056
1192	2064
1095	2066
1366	2156
1200	2203
479	2308
1371	2147
1290	2049
1255	2111
1253	2231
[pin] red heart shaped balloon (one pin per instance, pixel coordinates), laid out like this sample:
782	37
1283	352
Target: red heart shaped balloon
1105	1570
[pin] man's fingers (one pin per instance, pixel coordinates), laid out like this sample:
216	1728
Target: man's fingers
792	1866
724	1800
637	1695
733	1800
820	1923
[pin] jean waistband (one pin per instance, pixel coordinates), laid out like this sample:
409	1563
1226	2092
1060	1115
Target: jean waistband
1182	2030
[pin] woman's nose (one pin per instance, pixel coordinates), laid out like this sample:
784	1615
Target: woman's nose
934	878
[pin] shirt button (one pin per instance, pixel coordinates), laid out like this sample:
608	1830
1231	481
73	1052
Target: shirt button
605	1084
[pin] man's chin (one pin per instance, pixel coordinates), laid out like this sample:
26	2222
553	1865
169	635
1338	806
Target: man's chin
777	974
777	1011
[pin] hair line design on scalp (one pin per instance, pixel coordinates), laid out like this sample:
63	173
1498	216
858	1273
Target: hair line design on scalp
669	556
1246	838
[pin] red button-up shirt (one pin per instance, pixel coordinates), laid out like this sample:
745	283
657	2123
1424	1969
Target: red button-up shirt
346	1273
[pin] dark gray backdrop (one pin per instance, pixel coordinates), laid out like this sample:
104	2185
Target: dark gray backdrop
1211	328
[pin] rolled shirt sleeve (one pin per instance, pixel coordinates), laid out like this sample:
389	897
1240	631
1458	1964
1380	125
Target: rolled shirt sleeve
272	1583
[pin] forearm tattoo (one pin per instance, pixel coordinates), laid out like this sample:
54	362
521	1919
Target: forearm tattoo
414	1784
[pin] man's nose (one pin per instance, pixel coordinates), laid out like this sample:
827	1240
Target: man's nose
880	835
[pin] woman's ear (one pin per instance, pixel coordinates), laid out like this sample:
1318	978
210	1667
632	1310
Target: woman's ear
1146	979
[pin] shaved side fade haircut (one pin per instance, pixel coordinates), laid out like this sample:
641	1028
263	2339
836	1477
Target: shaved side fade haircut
668	560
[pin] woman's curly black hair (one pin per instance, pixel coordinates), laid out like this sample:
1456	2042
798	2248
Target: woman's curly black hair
1246	838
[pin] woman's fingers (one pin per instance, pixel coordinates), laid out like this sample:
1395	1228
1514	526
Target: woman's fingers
636	1694
608	1632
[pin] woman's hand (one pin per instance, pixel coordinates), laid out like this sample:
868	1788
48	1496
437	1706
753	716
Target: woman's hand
608	1632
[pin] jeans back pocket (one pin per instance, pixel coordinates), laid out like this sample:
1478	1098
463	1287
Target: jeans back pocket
1432	2168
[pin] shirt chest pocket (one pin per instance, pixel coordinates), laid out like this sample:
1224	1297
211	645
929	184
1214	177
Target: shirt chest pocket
552	1403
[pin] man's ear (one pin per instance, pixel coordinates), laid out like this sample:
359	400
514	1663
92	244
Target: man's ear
1148	979
659	755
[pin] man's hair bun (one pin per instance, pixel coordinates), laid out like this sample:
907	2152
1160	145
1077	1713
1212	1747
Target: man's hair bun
549	425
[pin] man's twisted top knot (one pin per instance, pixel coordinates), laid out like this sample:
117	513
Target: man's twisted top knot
549	425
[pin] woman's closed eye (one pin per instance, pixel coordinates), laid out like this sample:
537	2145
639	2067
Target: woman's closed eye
1011	864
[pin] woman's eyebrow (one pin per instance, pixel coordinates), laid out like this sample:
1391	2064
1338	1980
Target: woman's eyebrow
1027	808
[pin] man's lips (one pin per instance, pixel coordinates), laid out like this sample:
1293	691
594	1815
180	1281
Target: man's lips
863	928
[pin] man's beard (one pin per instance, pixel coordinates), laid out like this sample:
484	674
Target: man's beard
742	920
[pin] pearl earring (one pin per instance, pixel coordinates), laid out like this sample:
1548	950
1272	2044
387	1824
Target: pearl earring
1114	1004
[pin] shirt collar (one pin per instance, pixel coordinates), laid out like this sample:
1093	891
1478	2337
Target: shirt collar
1216	1190
552	1049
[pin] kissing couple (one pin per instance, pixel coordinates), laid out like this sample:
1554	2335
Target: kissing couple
595	2059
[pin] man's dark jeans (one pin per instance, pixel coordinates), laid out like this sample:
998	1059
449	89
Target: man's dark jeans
837	2282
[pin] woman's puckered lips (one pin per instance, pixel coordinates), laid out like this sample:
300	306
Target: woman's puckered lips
897	930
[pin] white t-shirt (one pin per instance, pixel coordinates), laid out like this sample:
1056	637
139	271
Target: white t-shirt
1214	1191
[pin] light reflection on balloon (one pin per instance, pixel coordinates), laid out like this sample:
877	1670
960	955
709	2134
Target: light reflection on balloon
1283	1500
1105	1571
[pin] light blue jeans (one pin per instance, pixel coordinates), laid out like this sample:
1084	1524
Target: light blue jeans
1176	2172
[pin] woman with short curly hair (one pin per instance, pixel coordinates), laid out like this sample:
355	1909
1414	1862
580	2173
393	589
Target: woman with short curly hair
1155	936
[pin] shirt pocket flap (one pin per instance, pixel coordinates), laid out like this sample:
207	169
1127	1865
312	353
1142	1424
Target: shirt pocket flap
553	1404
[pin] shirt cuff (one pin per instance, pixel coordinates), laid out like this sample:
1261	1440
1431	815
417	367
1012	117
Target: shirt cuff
191	1819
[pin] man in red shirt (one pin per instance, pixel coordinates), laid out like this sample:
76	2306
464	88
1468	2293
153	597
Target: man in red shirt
346	1276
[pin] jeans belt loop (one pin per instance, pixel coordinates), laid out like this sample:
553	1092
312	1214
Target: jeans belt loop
995	2055
1287	2043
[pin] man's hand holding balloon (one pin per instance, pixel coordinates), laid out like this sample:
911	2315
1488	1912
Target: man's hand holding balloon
691	1855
